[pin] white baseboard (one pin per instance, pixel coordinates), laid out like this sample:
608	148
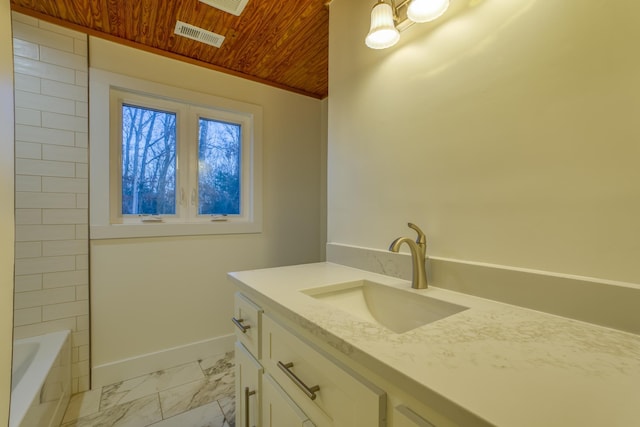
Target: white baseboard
143	364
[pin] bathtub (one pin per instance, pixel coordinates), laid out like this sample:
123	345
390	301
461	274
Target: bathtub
41	380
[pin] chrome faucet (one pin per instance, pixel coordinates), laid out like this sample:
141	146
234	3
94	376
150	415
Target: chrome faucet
418	256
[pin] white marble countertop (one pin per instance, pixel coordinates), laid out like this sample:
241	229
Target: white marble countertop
507	365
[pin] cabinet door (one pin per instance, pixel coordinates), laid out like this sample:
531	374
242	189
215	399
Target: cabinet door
248	376
278	410
405	417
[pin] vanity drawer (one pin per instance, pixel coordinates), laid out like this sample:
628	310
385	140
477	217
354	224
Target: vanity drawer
247	318
329	393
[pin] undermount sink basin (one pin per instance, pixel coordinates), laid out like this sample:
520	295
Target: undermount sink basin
395	309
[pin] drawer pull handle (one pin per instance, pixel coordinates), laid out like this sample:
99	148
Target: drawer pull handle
247	393
309	391
238	323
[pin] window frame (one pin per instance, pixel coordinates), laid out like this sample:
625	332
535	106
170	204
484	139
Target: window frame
108	92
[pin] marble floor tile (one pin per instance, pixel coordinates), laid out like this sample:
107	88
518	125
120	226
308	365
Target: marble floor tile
208	415
135	388
186	397
228	406
219	364
82	404
198	394
137	413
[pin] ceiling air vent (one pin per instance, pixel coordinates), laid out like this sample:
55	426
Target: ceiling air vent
197	33
234	7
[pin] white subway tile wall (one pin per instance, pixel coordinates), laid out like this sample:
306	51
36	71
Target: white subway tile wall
52	279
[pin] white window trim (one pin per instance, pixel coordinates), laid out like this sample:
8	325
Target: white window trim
102	223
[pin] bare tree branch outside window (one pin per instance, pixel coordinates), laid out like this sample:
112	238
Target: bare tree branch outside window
149	145
148	161
219	168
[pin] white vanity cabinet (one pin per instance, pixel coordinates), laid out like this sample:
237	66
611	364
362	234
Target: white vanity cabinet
283	381
259	399
286	378
326	355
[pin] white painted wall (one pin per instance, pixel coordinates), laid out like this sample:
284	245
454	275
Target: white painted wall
507	131
152	294
6	209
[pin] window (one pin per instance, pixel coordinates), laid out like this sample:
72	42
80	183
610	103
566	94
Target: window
175	161
175	164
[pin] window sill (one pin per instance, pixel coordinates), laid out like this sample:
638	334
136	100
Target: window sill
126	231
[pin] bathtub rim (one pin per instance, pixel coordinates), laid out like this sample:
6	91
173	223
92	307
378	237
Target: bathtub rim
25	362
32	381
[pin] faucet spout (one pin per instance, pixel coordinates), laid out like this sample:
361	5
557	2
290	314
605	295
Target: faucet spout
418	256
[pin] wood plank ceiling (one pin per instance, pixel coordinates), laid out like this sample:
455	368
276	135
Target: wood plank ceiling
283	43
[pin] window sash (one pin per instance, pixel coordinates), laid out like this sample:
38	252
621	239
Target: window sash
135	162
197	113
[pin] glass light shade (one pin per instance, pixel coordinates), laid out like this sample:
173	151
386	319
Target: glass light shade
426	10
383	32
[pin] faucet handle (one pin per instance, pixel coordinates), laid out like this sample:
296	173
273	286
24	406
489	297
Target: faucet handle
421	239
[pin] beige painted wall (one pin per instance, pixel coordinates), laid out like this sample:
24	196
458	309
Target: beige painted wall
6	209
508	131
151	294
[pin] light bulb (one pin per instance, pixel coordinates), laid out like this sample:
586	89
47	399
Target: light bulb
426	10
383	33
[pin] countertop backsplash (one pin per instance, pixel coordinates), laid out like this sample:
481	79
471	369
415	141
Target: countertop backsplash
602	302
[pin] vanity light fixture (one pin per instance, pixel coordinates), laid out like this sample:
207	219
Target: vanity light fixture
385	19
